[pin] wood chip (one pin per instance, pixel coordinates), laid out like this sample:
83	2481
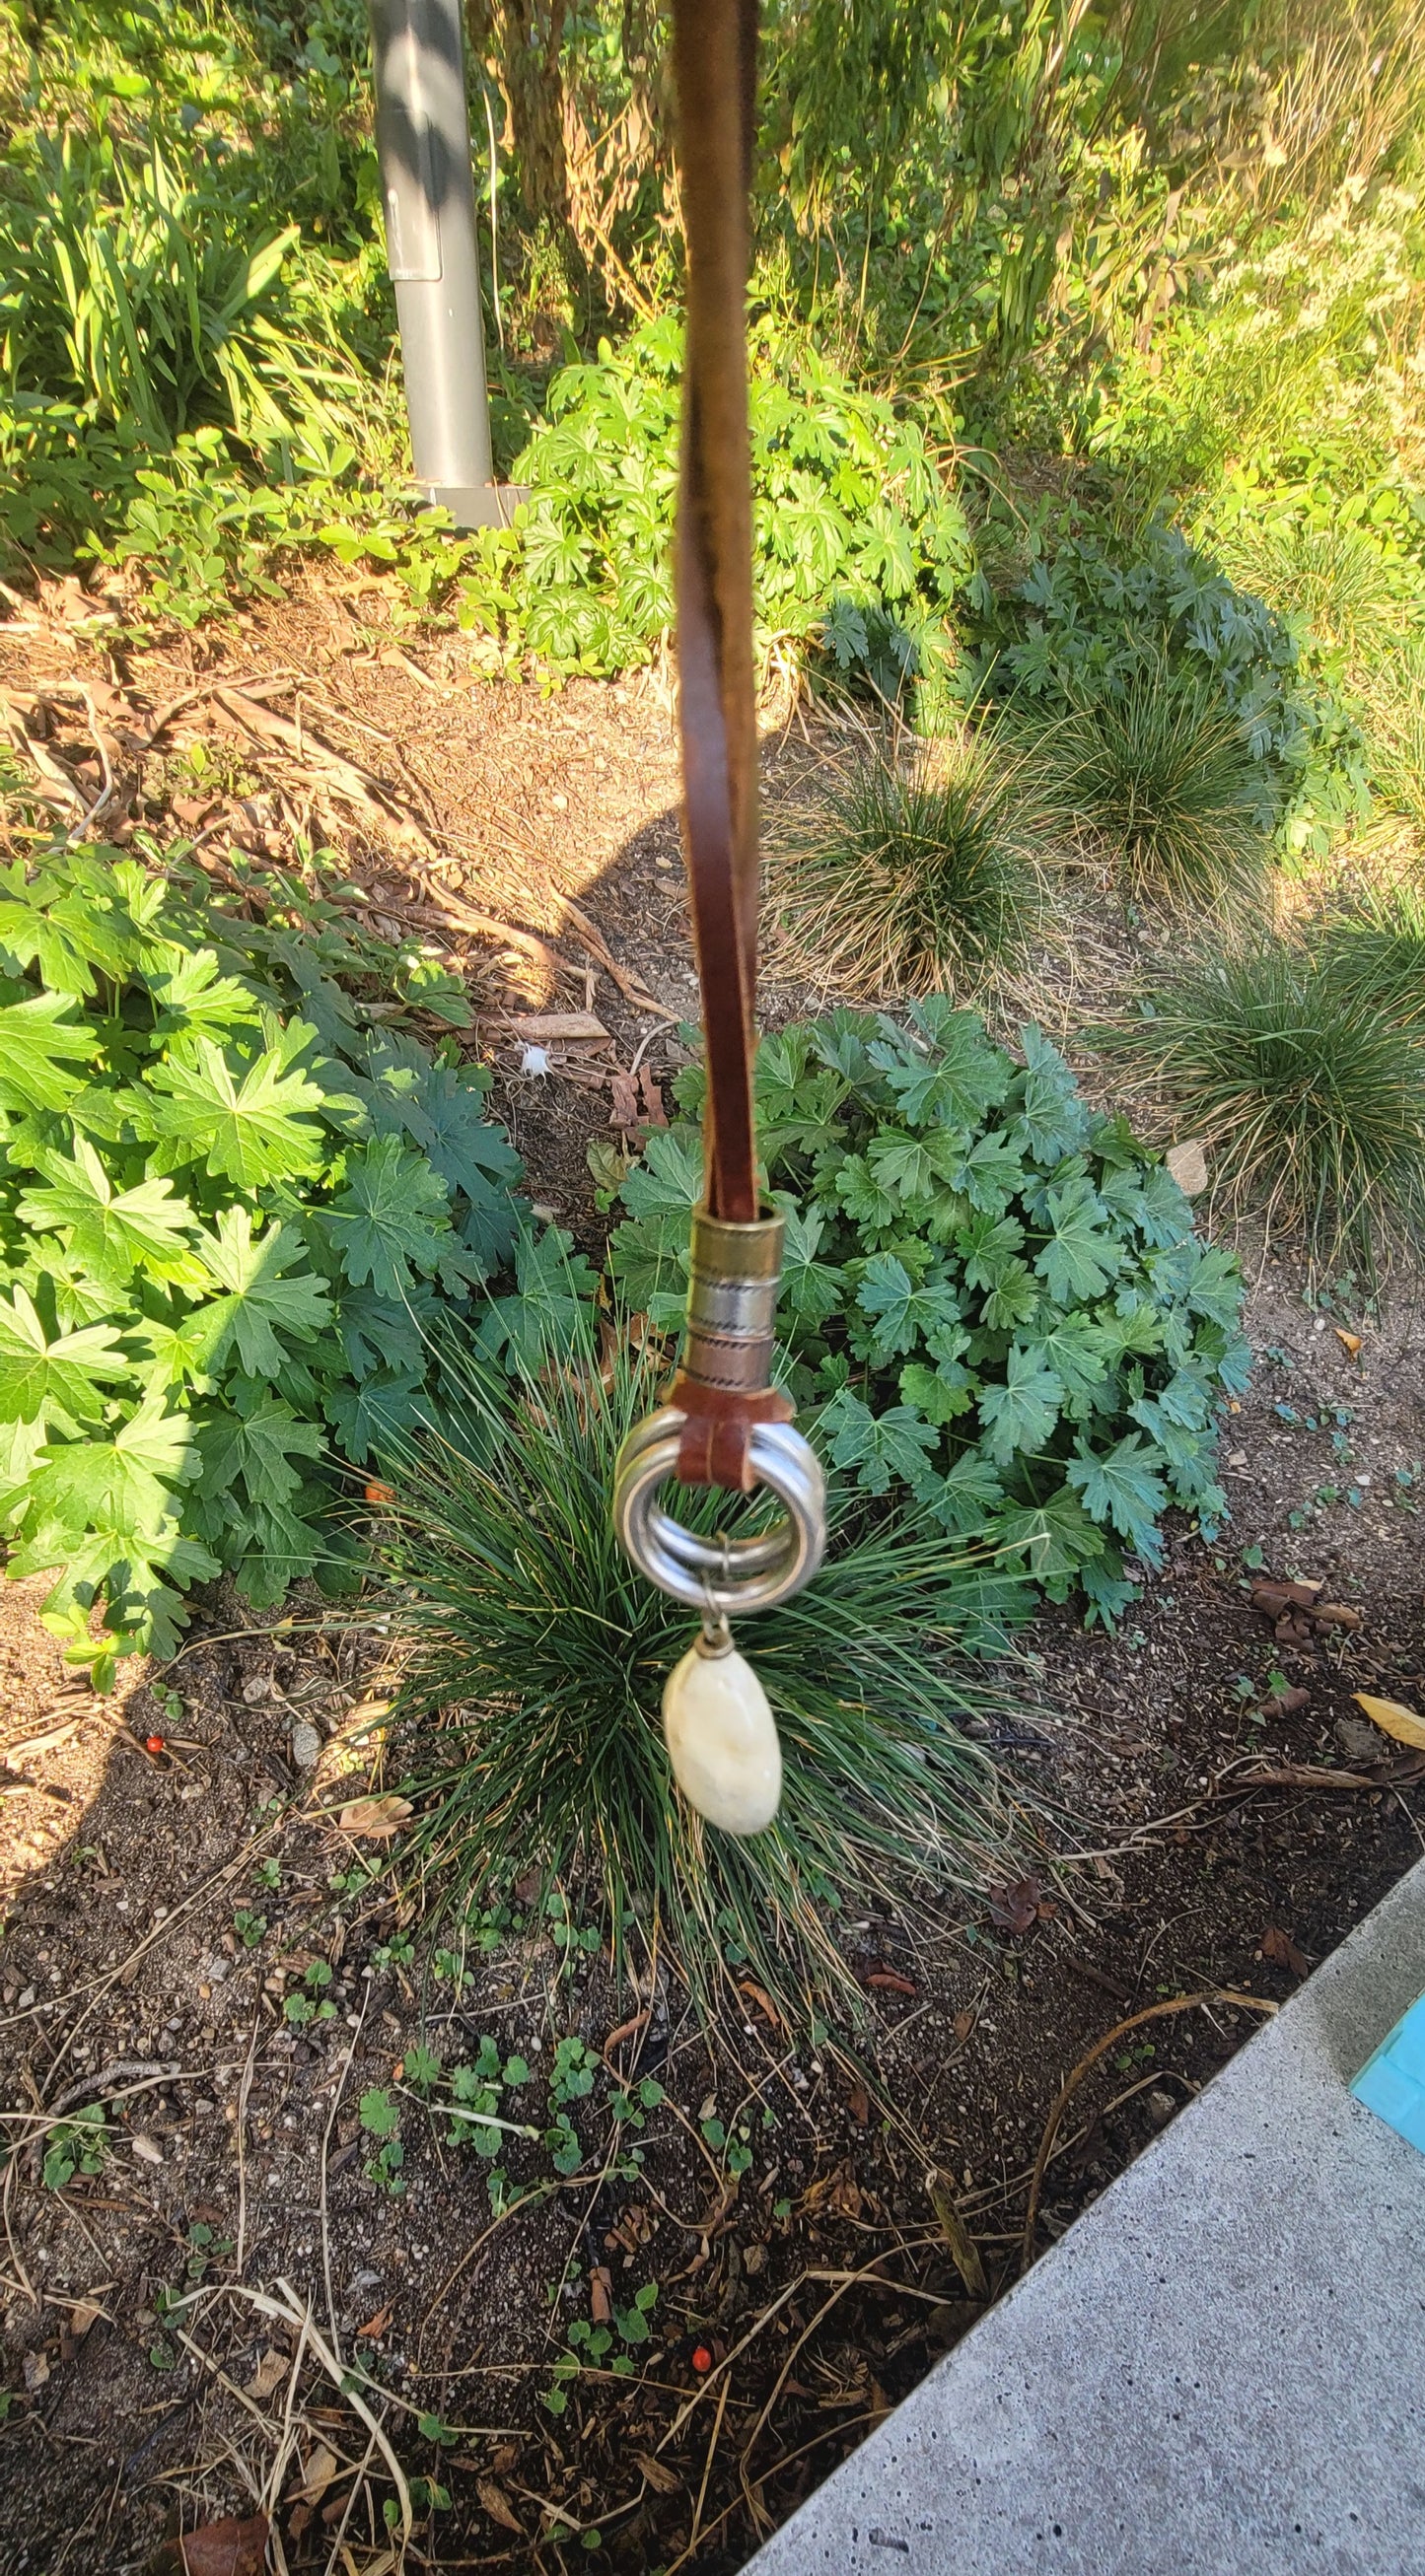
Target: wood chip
576	1027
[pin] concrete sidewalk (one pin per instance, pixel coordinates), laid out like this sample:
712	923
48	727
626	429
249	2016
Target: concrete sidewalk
1219	2371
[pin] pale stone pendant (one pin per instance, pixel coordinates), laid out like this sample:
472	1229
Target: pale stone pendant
721	1738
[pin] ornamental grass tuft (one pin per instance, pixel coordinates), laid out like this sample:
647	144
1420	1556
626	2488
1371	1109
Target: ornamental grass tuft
528	1709
1373	946
916	870
1159	774
1305	1087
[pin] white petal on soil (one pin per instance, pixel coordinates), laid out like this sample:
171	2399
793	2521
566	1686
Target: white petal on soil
722	1742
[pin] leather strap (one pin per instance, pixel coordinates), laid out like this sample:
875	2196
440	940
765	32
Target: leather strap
714	56
715	66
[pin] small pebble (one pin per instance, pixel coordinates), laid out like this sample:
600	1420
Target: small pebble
306	1746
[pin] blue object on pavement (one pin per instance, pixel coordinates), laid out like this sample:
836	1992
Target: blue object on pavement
1392	2083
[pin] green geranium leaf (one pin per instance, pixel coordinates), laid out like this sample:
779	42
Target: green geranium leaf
40	1044
1021	1414
1122	1487
249	1128
41	1379
390	1222
260	1303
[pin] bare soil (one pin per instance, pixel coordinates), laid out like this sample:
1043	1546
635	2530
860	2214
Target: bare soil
168	1865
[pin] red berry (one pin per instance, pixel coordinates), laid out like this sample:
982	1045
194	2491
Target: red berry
155	1744
702	2359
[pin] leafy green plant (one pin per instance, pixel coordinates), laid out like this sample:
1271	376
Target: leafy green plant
1152	627
229	1207
1308	1093
310	2002
381	2121
916	868
992	1296
857	545
1161	777
75	2146
534	1656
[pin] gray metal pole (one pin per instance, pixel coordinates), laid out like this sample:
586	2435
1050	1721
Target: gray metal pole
423	145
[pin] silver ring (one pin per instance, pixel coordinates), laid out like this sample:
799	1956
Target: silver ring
730	1575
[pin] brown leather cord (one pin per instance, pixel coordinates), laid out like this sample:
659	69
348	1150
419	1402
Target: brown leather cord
715	65
714	57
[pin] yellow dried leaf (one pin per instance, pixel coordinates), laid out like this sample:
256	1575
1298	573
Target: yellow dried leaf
1394	1718
376	1818
367	1712
962	2245
1351	1341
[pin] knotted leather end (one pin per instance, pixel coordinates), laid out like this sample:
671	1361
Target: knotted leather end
715	1446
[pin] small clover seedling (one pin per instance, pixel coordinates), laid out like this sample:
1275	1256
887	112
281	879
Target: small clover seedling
381	2119
250	1928
311	2005
77	2146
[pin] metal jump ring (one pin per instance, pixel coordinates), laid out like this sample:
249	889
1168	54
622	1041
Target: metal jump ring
755	1572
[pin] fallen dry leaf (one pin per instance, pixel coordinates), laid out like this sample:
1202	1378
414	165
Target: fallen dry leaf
375	1818
963	2023
321	2467
858	2103
269	2374
652	1097
374	2326
1394	1718
367	1712
84	2314
891	1982
1358	1740
1187	1163
1351	1341
147	2149
964	2251
1280	1947
36	2370
1015	1908
759	1996
625	1111
663	2480
601	2299
227	2548
498	2506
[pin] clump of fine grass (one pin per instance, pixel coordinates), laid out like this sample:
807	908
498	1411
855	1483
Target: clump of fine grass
1373	946
1393	714
528	1710
1161	777
1309	1095
916	870
1331	577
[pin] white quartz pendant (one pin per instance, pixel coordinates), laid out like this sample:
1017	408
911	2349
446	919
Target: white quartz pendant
722	1741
